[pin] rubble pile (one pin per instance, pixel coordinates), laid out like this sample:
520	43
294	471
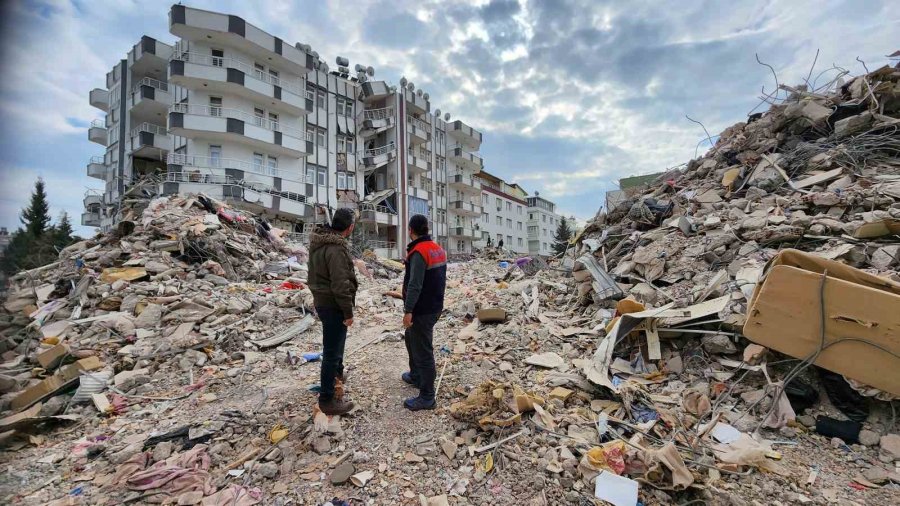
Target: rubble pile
728	335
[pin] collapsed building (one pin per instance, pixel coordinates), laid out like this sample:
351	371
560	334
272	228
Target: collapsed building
725	334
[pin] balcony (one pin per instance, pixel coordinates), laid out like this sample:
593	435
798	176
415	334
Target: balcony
377	214
464	183
375	121
148	58
232	76
149	100
466	159
245	167
254	195
464	208
419	193
379	157
417	165
234	125
224	29
465	135
419	131
463	232
150	141
97	132
416	103
99	98
92	201
96	168
90	219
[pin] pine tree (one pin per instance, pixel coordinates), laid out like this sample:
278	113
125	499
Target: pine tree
36	216
64	227
562	236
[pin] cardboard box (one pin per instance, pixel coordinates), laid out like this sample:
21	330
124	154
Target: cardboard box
785	314
64	378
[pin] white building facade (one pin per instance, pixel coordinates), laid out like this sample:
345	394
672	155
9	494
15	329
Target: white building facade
504	215
234	112
541	225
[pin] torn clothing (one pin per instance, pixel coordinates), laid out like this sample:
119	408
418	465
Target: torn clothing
332	279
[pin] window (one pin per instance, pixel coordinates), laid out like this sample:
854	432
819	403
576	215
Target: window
215	155
344	144
530	216
273	165
273	121
508	223
520	242
310	133
258	161
320	98
499	204
519	225
215	106
310	174
544	218
259	116
499	221
499	238
218	57
484	199
441	164
320	137
519	210
259	71
509	240
344	106
341	180
274	75
485	218
442	189
322	180
509	206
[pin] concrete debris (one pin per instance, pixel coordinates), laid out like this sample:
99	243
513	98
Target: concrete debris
619	372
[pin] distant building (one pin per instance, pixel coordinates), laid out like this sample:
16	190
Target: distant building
5	237
542	223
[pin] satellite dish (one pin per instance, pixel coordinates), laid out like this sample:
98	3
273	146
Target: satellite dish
419	92
403	82
324	67
437	113
304	47
343	70
426	96
411	87
362	78
447	117
342	62
370	71
358	68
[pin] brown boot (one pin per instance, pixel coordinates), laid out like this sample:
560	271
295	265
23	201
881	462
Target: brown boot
335	407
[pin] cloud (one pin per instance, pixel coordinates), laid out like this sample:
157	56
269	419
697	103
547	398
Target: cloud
571	95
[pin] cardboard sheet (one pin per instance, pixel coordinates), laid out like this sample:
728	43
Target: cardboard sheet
785	315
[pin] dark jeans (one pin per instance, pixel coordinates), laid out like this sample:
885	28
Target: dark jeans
419	345
334	336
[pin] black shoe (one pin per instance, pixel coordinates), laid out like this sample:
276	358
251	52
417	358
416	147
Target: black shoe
408	379
418	403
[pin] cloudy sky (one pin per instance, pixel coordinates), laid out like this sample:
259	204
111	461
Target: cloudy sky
570	95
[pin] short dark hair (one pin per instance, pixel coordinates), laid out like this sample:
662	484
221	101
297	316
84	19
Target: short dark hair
418	224
342	219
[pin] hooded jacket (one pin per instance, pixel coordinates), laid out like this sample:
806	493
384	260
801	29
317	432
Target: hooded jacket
332	278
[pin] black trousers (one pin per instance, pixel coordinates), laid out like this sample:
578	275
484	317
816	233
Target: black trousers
334	337
420	348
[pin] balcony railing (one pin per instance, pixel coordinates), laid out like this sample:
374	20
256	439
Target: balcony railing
233	163
382	244
98	160
246	68
153	83
418	123
387	148
98	123
464	180
215	179
375	208
466	129
251	119
376	114
462	205
149	127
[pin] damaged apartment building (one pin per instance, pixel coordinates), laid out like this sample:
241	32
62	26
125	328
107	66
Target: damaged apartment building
241	115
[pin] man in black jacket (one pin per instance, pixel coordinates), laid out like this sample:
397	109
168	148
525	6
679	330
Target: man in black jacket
332	281
423	300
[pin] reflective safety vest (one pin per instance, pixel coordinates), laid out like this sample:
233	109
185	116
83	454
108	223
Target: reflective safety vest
431	300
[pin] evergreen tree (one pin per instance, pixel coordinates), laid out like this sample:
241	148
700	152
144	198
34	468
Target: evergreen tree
36	216
562	236
64	226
